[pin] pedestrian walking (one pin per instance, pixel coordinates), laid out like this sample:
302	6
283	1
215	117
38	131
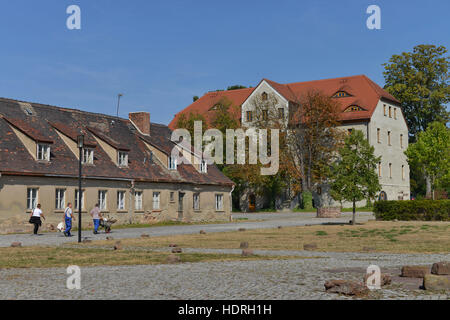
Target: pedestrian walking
68	218
96	216
35	218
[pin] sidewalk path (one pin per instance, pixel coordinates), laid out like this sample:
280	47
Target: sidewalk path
269	220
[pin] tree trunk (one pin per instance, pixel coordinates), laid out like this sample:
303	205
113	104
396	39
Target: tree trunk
354	213
429	194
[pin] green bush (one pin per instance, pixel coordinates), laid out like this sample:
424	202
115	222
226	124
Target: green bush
422	210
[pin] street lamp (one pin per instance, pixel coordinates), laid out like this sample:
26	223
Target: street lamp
80	142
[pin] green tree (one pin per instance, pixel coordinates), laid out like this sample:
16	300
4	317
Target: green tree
187	122
236	87
431	152
419	79
354	176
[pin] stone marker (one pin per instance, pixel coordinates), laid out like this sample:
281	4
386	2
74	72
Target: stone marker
173	245
436	283
280	227
385	279
247	252
16	244
118	245
173	259
415	271
310	247
202	232
244	245
441	268
109	238
241	229
345	287
177	250
145	235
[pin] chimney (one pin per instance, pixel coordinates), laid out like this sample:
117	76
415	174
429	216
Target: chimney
141	120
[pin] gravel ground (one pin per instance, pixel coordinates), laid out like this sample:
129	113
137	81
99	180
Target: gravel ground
264	279
271	220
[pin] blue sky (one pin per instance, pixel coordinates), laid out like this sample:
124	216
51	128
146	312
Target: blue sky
161	53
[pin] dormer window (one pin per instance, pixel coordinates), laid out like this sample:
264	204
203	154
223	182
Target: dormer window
172	163
122	159
341	94
87	156
354	108
43	152
204	167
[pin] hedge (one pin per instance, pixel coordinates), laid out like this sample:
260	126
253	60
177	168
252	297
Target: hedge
422	210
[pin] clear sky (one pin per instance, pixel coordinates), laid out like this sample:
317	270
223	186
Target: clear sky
161	53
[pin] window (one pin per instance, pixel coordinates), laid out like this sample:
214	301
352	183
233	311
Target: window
120	200
390	170
390	112
76	199
203	167
123	159
43	152
138	200
395	113
403	172
341	94
32	198
280	113
249	116
87	156
219	202
401	141
172	197
389	138
172	163
384	110
102	199
265	114
379	169
156	200
60	199
378	135
264	96
354	108
196	201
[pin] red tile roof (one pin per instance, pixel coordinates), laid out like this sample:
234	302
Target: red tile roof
364	93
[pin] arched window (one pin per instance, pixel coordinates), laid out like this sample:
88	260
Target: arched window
382	196
264	96
354	108
341	94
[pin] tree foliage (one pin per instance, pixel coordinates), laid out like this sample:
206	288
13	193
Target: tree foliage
354	176
419	79
431	152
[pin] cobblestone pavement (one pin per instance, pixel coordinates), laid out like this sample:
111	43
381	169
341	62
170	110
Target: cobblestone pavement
270	220
263	279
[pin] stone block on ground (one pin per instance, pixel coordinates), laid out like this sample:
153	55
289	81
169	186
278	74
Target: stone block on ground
415	271
145	235
247	252
329	212
244	245
436	283
345	287
202	232
173	245
173	259
310	247
241	229
441	268
16	244
385	279
177	250
118	245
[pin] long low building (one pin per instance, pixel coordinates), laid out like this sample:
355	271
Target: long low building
126	163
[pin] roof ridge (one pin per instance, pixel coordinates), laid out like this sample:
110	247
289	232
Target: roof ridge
328	79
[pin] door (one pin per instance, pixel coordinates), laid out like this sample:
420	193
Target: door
252	203
180	205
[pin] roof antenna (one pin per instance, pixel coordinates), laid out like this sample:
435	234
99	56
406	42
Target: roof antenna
118	104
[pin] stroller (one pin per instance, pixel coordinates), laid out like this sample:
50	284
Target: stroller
107	223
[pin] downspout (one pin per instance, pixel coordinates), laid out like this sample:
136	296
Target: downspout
231	203
130	204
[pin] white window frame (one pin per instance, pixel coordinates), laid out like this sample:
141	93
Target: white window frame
32	198
121	195
156	200
76	200
122	158
219	202
43	152
102	199
87	156
138	196
196	201
60	199
204	166
172	165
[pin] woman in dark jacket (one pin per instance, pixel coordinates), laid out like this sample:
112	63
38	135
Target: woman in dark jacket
36	218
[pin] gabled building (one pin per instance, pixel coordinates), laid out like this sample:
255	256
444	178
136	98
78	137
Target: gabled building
127	167
364	106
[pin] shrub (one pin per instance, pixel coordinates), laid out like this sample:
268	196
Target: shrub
422	210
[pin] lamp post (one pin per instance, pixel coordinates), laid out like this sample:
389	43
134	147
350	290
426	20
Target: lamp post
80	140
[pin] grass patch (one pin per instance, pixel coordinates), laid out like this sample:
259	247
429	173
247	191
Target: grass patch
384	236
50	257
